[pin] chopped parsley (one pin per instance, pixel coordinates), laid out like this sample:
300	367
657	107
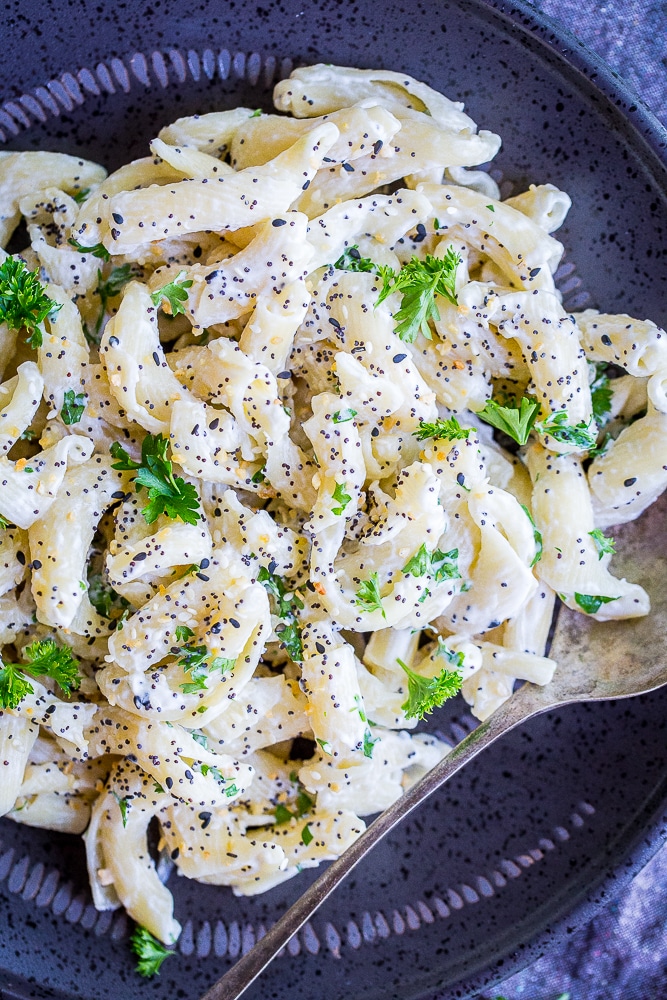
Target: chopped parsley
104	598
427	693
537	535
175	293
603	544
290	636
183	633
167	494
368	595
44	658
123	805
601	393
342	416
342	497
99	250
74	403
591	603
81	195
516	421
150	952
419	281
438	565
582	435
326	746
285	605
448	428
306	835
351	260
23	302
4	523
285	599
199	662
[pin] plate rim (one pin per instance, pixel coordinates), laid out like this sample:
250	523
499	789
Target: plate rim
648	132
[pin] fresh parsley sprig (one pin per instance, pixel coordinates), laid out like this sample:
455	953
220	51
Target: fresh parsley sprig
167	494
591	603
601	393
150	952
198	662
43	658
285	604
418	282
427	693
516	421
74	403
438	565
448	428
582	435
108	288
23	302
537	535
98	250
603	544
286	598
351	260
104	598
175	292
342	498
368	596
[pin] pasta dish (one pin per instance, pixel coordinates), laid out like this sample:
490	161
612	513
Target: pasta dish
297	440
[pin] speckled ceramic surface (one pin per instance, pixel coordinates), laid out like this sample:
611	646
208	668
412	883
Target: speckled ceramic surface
552	819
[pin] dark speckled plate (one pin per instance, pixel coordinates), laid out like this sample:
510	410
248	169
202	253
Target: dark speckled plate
556	817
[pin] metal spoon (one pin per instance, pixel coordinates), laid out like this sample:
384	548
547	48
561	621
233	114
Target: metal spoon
597	662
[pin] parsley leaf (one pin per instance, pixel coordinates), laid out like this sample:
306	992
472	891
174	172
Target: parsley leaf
278	589
439	565
99	250
150	952
341	496
368	595
13	685
351	260
582	435
23	302
443	650
74	403
341	416
168	494
183	633
427	693
537	535
123	805
369	743
107	289
512	420
199	662
44	658
601	393
306	835
603	544
175	293
419	281
448	428
290	636
104	598
590	603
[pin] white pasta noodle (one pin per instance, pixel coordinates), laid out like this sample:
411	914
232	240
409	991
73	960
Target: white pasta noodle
257	517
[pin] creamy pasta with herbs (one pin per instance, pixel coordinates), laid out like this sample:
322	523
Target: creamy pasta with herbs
296	441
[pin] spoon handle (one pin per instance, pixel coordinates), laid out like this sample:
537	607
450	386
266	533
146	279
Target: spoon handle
521	706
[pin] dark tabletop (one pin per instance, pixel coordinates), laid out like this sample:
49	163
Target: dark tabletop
622	953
